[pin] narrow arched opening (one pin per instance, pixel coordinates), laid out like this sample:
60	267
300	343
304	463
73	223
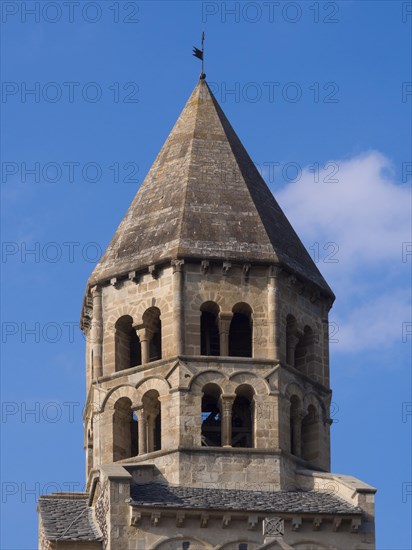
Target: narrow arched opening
304	354
153	417
295	425
240	332
291	339
310	435
211	416
209	329
125	430
128	352
153	326
242	417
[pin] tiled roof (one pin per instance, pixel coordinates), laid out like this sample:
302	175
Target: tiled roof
155	494
68	518
204	198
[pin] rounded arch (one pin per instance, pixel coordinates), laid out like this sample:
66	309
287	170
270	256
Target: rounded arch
118	392
177	543
260	386
211	296
293	389
312	399
128	351
153	383
123	311
159	303
205	377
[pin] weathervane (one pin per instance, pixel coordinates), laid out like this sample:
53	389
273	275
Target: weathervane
200	55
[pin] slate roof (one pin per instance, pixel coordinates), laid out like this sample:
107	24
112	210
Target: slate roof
68	518
300	502
204	198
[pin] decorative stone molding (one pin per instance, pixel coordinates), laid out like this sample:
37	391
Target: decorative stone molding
153	271
316	523
296	523
204	519
155	518
135	517
226	267
336	524
180	518
273	527
134	277
226	520
355	524
252	521
204	266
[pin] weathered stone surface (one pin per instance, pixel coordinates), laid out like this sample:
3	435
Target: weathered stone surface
204	198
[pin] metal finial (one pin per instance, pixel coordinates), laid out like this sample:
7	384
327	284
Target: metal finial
200	54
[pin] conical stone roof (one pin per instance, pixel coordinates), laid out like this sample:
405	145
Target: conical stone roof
204	198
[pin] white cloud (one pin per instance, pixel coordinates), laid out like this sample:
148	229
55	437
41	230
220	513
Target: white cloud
366	212
368	215
377	324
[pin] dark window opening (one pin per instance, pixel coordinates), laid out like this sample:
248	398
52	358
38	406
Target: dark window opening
211	417
124	430
310	435
127	345
209	330
242	418
152	411
153	324
240	333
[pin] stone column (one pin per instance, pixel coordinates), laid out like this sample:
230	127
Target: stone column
226	405
274	313
142	428
96	332
224	328
178	311
144	335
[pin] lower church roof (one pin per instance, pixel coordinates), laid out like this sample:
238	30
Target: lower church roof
311	502
68	518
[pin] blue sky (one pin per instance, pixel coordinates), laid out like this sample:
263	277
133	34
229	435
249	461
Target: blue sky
317	91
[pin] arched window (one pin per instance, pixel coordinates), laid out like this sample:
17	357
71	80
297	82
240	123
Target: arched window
242	417
153	325
310	435
291	339
127	345
152	412
240	333
304	354
211	416
295	425
124	430
209	329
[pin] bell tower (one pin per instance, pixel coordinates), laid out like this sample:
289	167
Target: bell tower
207	421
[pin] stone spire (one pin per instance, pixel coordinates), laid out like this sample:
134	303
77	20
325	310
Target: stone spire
204	198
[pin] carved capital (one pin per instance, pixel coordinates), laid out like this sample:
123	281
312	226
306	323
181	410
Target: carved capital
177	266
